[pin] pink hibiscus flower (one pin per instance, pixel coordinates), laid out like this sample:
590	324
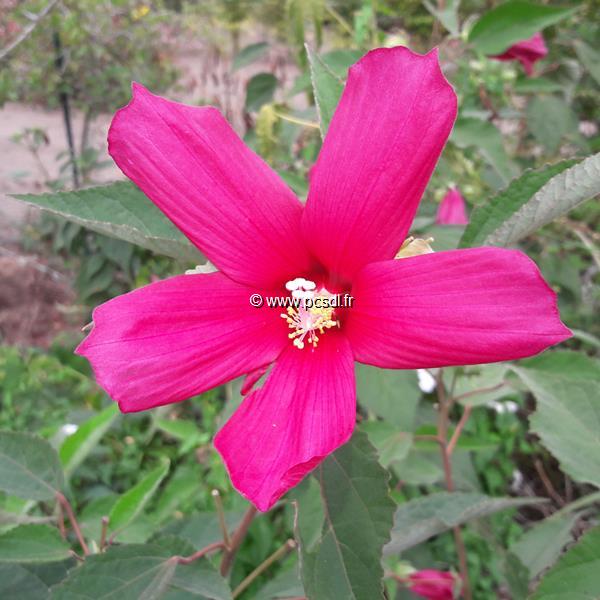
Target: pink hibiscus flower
452	209
432	584
182	336
527	52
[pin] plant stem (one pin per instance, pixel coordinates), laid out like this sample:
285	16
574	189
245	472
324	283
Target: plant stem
277	555
459	428
61	522
61	499
221	514
445	404
484	390
577	504
236	540
186	560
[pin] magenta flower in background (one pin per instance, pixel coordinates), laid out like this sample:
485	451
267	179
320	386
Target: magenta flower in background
432	584
527	52
452	209
182	336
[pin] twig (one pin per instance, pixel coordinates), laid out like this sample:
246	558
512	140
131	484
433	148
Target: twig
27	31
277	555
236	540
61	499
461	424
186	560
485	390
539	467
445	404
220	513
61	522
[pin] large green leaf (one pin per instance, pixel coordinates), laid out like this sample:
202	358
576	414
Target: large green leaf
567	419
20	584
345	560
132	503
76	447
550	119
33	544
447	14
512	22
487	140
392	395
589	57
421	519
142	572
119	210
29	467
491	216
327	89
576	576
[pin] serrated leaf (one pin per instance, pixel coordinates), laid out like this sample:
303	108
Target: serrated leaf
20	584
567	419
141	572
420	519
327	89
77	446
561	194
29	467
392	395
345	561
491	216
260	90
119	210
33	544
485	137
251	53
132	503
576	576
512	22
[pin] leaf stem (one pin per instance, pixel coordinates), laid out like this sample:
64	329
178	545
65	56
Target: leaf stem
186	560
277	555
459	428
221	514
445	404
484	390
64	503
236	540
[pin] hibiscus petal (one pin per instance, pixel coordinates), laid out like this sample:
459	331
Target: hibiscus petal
177	338
305	410
227	200
385	138
452	308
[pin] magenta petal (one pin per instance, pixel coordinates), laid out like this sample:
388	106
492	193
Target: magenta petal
527	52
179	337
452	209
452	308
282	431
227	200
385	138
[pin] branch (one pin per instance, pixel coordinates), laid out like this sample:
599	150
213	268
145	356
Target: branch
236	540
27	31
64	503
186	560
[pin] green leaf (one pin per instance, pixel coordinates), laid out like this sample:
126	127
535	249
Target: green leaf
420	519
20	584
327	89
550	119
567	420
589	57
260	90
490	217
536	85
539	547
119	210
447	16
132	503
576	576
286	584
487	140
392	395
33	544
481	377
249	54
391	445
142	572
345	561
567	363
202	529
512	22
76	447
29	467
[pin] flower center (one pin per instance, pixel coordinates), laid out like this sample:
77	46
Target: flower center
310	312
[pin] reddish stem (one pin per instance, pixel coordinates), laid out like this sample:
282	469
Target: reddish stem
64	503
